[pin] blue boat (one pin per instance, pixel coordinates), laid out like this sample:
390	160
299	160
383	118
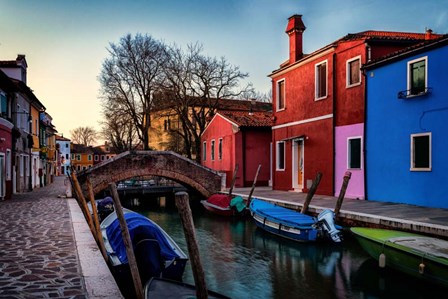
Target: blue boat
156	253
293	225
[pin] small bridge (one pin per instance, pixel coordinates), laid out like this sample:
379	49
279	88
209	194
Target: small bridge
153	163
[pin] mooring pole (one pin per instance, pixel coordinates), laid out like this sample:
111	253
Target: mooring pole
233	179
253	185
127	242
183	207
311	192
347	177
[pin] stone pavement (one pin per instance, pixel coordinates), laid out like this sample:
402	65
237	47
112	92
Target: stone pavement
47	250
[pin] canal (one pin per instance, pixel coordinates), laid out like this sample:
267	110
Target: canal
241	261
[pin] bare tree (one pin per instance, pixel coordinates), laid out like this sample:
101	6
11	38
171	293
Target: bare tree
129	78
194	86
83	135
119	130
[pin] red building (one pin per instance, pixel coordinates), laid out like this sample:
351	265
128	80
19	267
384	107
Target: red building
318	107
239	137
7	90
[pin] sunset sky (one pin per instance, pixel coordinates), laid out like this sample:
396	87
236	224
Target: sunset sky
65	42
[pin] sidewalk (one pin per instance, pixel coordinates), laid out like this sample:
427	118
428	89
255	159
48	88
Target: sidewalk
432	221
47	250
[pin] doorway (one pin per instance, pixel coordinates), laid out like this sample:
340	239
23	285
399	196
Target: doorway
297	164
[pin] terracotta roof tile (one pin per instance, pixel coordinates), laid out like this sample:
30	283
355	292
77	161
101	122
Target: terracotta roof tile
246	119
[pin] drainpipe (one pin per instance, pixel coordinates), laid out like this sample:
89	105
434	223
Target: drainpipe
334	121
364	73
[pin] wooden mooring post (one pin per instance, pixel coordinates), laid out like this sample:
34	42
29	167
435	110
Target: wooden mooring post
82	202
253	185
347	177
311	192
99	236
127	242
233	179
183	206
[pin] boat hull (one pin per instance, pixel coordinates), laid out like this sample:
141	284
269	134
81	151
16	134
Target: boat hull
417	255
218	210
283	222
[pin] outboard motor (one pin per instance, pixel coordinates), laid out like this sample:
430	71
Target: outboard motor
105	207
326	219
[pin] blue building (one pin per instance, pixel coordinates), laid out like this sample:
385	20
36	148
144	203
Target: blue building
406	129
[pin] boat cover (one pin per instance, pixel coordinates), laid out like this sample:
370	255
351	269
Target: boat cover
238	203
140	228
280	214
220	200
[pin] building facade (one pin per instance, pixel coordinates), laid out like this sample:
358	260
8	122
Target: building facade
406	127
63	147
239	138
318	107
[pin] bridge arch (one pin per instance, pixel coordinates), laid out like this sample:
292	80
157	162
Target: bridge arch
152	163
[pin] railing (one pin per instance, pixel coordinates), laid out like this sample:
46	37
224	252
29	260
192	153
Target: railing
410	93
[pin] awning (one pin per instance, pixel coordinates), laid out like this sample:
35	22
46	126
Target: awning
294	137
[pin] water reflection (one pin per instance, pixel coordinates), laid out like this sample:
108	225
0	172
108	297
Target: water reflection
242	261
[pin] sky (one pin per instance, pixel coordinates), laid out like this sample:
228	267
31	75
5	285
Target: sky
66	41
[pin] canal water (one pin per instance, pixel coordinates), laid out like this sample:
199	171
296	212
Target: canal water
241	261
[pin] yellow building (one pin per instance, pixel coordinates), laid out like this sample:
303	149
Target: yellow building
81	156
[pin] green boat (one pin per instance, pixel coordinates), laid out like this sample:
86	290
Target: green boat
421	256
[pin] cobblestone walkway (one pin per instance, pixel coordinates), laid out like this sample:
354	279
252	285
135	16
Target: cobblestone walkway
38	257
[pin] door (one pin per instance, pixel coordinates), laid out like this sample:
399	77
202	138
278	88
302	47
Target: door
298	164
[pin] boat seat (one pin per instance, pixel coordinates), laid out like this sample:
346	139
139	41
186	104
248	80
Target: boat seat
149	259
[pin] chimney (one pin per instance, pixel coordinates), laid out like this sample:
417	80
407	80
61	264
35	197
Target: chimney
295	30
428	34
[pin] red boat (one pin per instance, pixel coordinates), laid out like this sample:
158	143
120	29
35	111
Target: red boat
223	204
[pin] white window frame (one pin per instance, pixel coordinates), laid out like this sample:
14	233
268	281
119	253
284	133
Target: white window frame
409	73
3	179
349	153
204	151
412	162
277	154
212	150
278	108
349	72
220	149
316	80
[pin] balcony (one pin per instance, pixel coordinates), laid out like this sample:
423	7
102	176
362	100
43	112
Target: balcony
411	93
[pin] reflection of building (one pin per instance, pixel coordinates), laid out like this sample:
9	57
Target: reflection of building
63	146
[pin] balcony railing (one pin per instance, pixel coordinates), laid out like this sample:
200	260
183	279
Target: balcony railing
410	93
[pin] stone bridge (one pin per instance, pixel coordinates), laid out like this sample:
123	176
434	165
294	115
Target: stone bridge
153	163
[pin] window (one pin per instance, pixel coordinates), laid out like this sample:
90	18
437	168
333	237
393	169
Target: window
2	176
281	95
417	79
354	153
78	157
204	151
280	155
421	152
102	157
22	166
95	158
212	151
321	80
354	71
3	105
66	156
66	145
73	156
220	149
89	157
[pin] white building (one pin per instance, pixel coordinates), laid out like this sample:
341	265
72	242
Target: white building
63	146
